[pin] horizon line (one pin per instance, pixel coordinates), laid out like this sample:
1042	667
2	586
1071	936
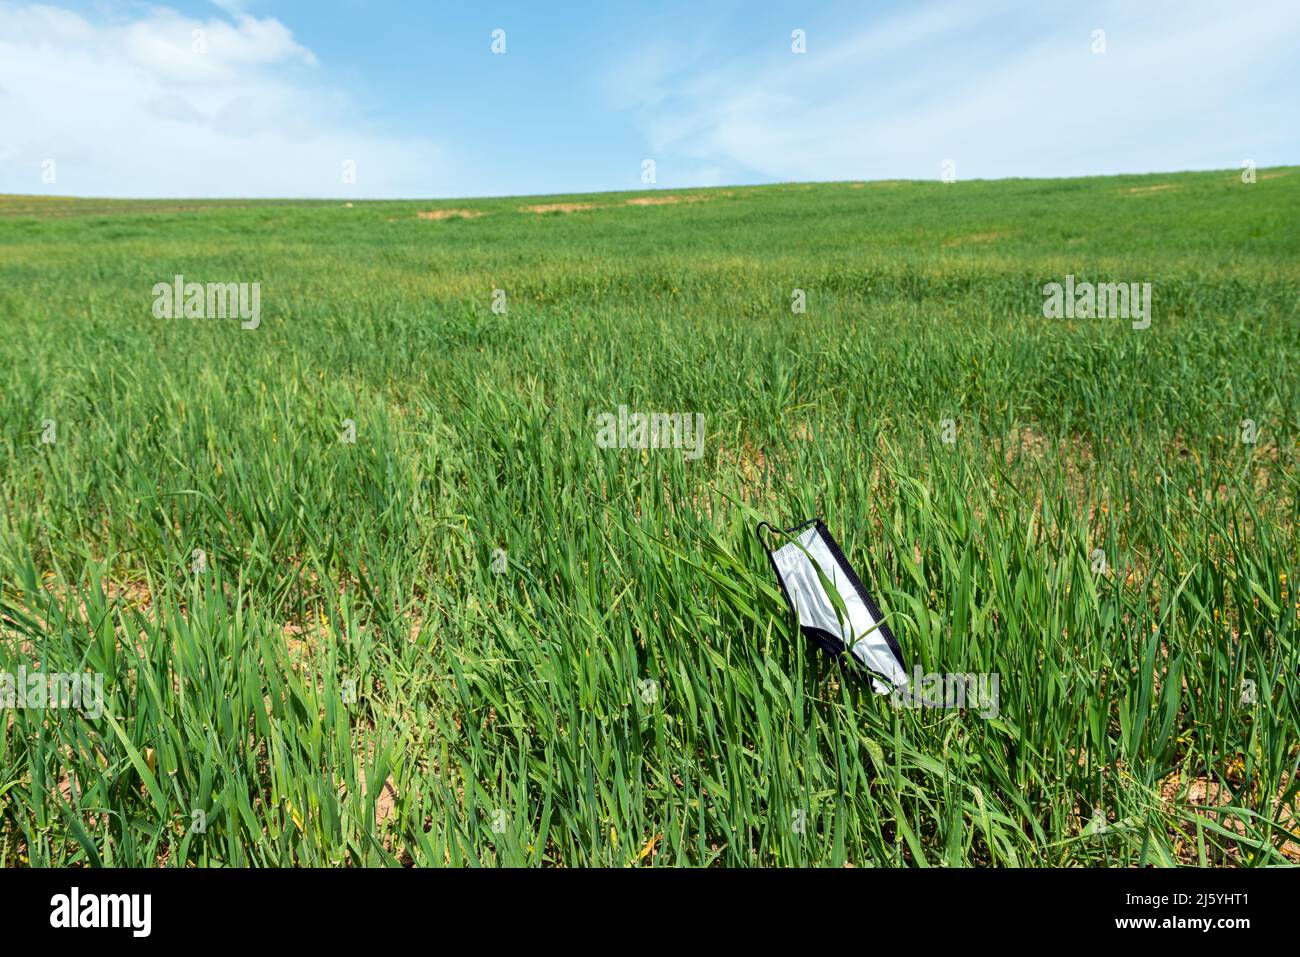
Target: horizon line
647	189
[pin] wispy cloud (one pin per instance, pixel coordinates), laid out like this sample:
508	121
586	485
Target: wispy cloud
1001	90
164	104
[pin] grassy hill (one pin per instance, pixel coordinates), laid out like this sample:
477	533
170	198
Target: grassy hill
475	635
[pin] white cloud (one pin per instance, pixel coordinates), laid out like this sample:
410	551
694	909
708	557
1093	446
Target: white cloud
1003	90
169	105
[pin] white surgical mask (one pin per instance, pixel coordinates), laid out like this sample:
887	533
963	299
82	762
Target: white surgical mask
858	627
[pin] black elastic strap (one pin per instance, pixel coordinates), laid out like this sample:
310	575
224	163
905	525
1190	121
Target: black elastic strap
772	529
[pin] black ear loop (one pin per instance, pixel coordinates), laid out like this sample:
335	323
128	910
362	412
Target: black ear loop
772	529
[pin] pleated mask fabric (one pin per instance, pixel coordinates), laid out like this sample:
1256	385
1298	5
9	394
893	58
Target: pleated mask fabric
858	627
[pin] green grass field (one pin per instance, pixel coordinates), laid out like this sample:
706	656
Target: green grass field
355	679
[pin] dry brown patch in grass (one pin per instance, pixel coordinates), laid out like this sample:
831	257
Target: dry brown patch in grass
304	639
441	214
1027	447
121	597
755	469
750	465
749	460
385	800
666	200
1204	796
1290	849
1201	792
1028	442
557	208
300	641
1152	189
1235	178
386	803
65	206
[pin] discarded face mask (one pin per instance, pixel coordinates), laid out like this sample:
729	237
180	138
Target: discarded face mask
831	604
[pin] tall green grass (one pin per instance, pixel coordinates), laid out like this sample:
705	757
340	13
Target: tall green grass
351	682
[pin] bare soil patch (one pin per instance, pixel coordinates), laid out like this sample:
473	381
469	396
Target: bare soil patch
440	214
558	208
666	200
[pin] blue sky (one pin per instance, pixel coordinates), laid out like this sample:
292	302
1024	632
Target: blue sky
109	98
